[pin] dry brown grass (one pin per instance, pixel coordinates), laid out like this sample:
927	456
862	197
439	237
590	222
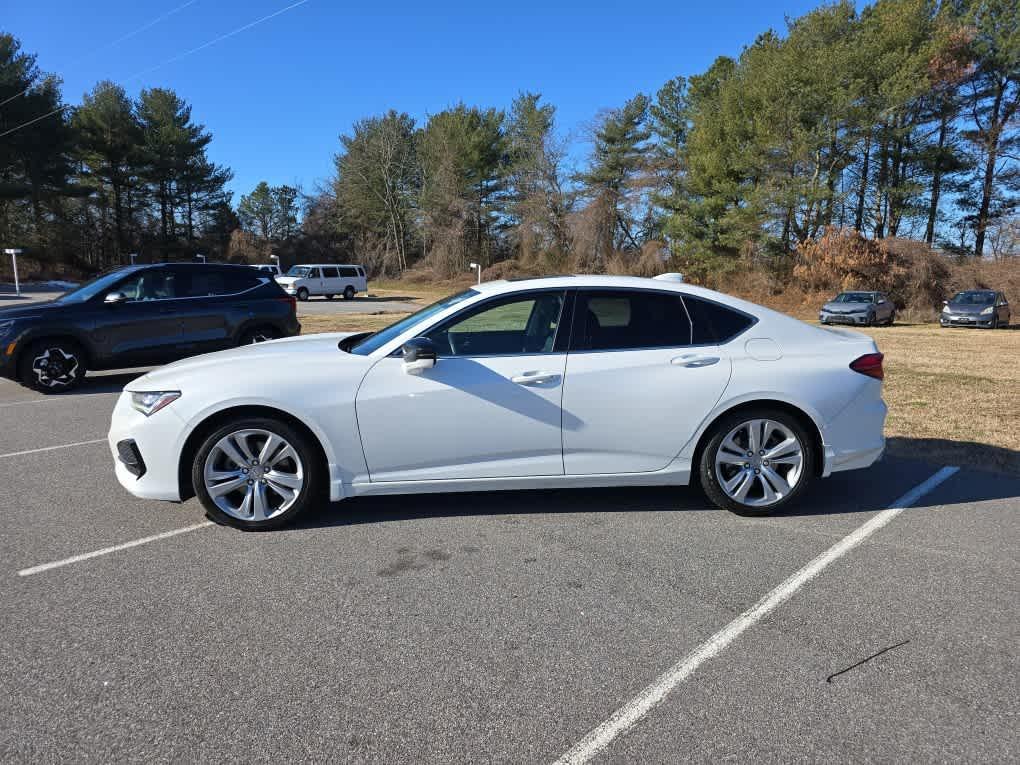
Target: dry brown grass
953	394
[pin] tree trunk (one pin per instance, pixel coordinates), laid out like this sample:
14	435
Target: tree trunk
987	183
863	189
936	178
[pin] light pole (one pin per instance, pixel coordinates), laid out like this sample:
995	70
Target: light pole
478	268
14	253
277	259
133	255
200	257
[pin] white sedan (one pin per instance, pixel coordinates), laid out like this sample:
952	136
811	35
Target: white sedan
555	382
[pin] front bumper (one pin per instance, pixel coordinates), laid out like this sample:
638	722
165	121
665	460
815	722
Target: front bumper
157	441
843	318
966	320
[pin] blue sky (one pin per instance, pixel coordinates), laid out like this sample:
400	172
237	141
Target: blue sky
278	95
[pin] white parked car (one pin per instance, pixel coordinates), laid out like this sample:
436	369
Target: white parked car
304	281
555	382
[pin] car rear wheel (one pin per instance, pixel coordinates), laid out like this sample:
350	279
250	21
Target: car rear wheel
757	461
53	366
259	335
256	474
302	294
349	293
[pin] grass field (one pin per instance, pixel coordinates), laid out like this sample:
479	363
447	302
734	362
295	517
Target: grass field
953	394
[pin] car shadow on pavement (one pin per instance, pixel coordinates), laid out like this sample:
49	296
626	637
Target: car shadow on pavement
851	492
102	383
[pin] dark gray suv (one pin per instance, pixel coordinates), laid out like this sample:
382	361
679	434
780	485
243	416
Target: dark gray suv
141	316
976	308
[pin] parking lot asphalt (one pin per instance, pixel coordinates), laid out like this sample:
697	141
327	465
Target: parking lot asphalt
494	627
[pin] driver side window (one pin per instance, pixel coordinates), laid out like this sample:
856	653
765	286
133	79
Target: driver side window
522	325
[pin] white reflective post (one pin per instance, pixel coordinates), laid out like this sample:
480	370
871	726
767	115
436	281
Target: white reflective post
14	264
478	268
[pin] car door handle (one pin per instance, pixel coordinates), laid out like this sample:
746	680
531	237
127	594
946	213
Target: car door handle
536	378
694	361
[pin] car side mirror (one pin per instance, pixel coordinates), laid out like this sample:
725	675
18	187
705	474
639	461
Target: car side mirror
115	297
419	355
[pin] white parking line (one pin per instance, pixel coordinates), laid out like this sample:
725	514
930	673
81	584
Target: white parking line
107	550
52	448
632	712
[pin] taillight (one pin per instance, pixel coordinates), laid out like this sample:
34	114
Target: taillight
869	364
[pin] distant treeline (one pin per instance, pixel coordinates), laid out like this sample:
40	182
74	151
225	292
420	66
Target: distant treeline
898	121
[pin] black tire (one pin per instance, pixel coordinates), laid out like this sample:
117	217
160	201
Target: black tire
312	492
892	319
706	465
52	366
349	293
302	294
872	320
995	323
258	335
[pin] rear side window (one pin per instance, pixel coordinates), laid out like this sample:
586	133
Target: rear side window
629	319
361	271
331	273
202	283
715	323
348	271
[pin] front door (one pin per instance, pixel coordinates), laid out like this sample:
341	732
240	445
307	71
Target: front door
145	328
490	408
636	388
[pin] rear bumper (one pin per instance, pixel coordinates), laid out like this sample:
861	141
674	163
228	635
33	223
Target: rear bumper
854	439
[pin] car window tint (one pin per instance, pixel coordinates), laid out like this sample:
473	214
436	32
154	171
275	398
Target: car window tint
149	285
348	271
620	320
202	284
715	323
526	324
331	273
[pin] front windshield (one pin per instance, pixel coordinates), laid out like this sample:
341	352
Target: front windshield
379	339
853	297
974	298
299	271
90	289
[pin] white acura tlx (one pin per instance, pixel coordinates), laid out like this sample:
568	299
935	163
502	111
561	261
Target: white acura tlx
556	382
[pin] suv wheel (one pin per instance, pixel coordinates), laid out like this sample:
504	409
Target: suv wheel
349	293
53	366
302	293
258	335
756	462
256	473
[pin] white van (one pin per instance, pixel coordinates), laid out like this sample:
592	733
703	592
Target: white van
327	279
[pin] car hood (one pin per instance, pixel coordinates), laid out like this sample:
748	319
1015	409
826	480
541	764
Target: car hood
834	307
967	308
29	310
246	366
287	279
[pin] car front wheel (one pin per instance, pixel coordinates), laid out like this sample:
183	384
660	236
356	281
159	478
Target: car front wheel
256	474
756	462
53	366
302	294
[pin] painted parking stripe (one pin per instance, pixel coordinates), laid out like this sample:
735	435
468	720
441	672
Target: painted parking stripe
631	713
107	550
53	448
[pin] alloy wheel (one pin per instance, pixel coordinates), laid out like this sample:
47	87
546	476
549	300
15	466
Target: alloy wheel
55	367
759	462
253	475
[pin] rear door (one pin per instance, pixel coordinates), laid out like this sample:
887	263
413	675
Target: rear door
212	304
636	386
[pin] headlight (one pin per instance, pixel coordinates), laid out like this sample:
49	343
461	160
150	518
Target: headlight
984	312
150	402
945	309
6	326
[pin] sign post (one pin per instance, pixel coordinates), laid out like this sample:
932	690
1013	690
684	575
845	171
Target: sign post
14	253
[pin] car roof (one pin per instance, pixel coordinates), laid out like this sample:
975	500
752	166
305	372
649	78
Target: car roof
326	265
